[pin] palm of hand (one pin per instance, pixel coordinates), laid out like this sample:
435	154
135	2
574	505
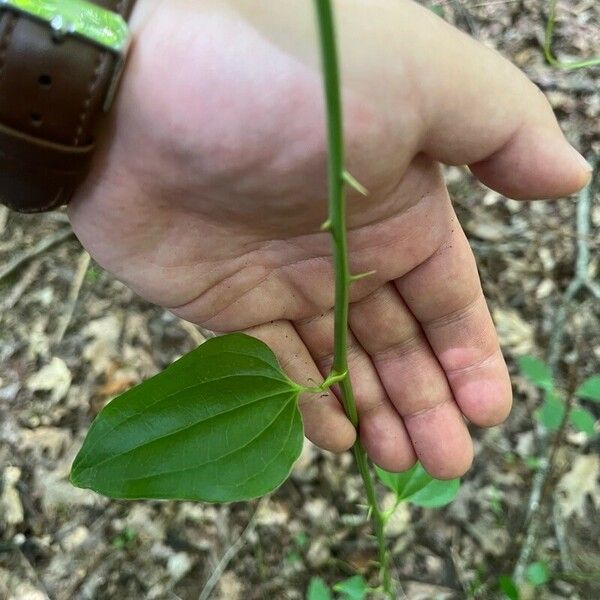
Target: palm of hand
213	210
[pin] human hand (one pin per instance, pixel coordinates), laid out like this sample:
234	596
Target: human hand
209	190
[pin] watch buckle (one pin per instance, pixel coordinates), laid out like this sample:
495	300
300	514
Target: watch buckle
88	21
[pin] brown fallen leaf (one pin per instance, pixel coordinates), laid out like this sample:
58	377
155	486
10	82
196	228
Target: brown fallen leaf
580	483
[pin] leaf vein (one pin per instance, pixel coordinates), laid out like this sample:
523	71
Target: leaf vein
190	426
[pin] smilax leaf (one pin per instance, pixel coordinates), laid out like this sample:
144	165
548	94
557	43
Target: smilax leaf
551	413
584	421
590	389
219	425
318	590
354	588
508	587
537	573
536	371
418	487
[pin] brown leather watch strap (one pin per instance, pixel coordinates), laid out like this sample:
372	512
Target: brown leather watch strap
52	93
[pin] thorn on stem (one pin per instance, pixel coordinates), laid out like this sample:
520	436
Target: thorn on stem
327	226
361	276
353	183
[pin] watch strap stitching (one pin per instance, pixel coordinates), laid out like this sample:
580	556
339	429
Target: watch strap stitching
84	115
87	103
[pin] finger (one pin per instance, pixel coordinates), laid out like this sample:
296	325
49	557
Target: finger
414	381
445	93
325	422
382	431
444	293
479	109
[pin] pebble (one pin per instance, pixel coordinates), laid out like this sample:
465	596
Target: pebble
318	554
10	502
142	519
318	510
179	565
305	468
75	539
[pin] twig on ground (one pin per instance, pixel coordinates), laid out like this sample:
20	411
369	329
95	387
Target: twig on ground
231	553
42	246
3	217
568	85
82	267
197	333
561	538
581	281
31	273
57	216
464	15
42	589
457	564
207	333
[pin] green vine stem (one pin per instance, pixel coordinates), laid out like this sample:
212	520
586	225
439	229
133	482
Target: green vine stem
547	46
336	225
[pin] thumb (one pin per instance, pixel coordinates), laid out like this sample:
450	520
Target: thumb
482	111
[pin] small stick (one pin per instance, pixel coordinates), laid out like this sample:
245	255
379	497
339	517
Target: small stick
57	217
18	290
41	247
581	280
198	334
231	553
82	267
463	12
3	217
561	538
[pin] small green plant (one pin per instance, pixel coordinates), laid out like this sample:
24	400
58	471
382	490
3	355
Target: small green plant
354	588
418	487
508	587
318	590
537	574
547	46
554	408
414	486
93	273
301	541
222	424
124	539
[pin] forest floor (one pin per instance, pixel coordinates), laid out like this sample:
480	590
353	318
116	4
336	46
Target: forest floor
62	543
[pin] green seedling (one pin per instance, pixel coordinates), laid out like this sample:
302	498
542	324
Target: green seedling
553	410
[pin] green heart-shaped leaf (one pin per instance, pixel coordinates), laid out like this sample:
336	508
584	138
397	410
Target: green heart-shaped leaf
552	412
437	494
536	371
354	588
318	590
590	389
418	487
537	573
219	425
583	420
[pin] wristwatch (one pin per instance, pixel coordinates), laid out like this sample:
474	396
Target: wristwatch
60	63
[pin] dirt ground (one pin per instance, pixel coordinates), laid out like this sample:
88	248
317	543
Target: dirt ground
62	543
